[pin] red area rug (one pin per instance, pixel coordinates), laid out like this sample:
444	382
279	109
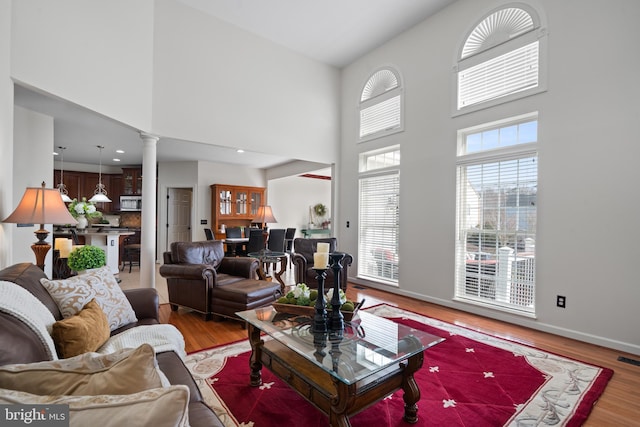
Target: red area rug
470	379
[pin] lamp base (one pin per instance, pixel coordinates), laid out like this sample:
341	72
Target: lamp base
41	248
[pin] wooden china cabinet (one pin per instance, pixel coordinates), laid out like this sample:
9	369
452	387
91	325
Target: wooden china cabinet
234	206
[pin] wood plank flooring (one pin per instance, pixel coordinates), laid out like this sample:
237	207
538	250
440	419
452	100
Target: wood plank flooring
618	406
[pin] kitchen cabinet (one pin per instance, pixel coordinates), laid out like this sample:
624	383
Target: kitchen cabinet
83	184
234	206
131	181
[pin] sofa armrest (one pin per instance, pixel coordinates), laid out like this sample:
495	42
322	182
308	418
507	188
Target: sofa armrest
145	302
187	271
300	267
240	266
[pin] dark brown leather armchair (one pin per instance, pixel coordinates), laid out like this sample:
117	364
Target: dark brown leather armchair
194	269
303	250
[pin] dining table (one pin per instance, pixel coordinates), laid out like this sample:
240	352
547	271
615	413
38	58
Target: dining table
233	243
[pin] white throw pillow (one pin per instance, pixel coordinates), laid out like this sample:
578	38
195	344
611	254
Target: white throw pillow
71	295
158	407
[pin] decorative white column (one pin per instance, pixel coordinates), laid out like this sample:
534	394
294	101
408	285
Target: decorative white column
148	233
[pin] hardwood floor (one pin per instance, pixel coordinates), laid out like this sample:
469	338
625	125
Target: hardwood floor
618	406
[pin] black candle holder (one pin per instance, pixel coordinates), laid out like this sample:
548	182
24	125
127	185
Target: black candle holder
337	318
320	317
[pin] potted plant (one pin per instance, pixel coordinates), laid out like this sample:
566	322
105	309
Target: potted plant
86	257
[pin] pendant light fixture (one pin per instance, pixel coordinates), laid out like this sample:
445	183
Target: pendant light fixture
100	194
61	187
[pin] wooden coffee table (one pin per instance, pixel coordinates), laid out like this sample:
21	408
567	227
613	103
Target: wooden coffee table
339	373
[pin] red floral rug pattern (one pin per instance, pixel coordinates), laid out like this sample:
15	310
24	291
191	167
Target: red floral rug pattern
470	379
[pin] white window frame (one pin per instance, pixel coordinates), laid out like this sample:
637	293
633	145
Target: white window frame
369	103
378	258
537	34
506	276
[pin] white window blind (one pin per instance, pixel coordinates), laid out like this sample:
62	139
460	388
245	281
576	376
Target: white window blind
379	226
497	219
380	117
501	59
512	72
381	105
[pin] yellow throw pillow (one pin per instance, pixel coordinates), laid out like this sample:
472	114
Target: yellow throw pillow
83	333
122	372
158	407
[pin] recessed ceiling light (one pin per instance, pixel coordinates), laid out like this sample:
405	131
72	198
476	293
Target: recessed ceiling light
116	160
120	151
239	150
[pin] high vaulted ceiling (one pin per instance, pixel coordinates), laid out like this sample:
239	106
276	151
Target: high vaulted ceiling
335	32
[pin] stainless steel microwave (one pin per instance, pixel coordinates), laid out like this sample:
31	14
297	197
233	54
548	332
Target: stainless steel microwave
130	203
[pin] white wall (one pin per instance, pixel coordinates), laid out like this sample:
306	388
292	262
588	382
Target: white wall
587	239
6	133
291	197
217	84
95	54
33	133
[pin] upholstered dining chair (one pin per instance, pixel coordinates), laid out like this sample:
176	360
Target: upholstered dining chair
276	242
209	234
289	235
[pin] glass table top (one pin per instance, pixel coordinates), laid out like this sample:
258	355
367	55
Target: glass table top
266	254
367	344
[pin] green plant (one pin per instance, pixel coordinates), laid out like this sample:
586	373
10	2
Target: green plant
86	257
84	207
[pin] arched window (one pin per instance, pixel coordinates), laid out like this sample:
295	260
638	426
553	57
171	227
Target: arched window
501	59
381	105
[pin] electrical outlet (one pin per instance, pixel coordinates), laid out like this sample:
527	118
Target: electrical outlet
561	301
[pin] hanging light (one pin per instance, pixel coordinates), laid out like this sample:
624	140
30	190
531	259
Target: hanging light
100	194
61	187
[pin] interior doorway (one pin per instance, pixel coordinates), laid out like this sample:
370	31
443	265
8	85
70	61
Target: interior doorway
179	202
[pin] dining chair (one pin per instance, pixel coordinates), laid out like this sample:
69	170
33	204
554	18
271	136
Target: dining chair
233	232
289	235
256	240
275	243
209	234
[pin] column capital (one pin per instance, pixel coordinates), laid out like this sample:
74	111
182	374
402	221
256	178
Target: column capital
148	136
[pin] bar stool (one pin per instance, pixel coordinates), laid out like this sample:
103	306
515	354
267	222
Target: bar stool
130	254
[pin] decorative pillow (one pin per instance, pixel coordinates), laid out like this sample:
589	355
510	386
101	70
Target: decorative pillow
122	372
71	295
158	407
85	332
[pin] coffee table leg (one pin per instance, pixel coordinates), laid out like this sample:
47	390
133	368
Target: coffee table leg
339	404
256	355
411	389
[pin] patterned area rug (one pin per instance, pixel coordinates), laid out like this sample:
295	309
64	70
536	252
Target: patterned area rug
470	379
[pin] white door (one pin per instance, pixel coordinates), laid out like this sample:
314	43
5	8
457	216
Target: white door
178	215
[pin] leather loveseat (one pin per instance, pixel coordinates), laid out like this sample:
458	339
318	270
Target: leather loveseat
303	262
201	278
21	345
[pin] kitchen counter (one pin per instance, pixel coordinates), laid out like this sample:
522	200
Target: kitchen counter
107	240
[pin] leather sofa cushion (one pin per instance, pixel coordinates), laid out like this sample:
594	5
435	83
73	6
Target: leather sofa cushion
307	247
246	291
208	252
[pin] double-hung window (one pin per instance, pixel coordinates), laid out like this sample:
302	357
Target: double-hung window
379	213
497	183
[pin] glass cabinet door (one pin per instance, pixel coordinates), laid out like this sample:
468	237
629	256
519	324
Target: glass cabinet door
225	202
256	202
241	202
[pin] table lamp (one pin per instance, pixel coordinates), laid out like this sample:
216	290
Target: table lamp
264	215
40	205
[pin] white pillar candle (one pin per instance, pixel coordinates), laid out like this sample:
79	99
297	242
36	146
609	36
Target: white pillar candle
323	247
320	259
64	246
